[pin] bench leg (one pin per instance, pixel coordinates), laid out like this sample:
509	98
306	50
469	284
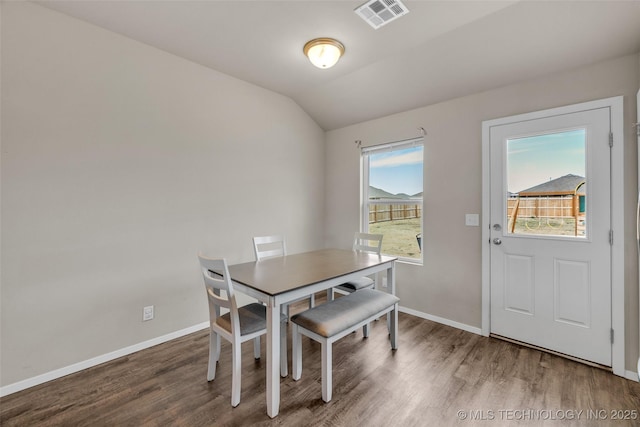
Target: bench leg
327	370
393	316
365	330
296	353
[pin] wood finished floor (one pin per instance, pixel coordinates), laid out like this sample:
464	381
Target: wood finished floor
436	372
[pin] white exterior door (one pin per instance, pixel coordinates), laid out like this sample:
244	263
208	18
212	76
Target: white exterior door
550	224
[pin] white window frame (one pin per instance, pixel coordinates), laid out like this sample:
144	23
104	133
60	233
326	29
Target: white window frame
364	192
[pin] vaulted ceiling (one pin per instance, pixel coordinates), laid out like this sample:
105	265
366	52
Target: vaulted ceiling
438	51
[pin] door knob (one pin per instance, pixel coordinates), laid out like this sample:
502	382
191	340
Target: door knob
497	241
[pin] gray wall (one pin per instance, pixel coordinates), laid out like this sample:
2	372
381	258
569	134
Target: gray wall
119	163
449	283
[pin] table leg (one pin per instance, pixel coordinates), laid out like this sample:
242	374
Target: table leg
273	359
391	286
391	278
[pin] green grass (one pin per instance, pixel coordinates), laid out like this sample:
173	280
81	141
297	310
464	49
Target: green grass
399	236
546	226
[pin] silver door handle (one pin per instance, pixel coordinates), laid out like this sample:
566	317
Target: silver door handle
497	241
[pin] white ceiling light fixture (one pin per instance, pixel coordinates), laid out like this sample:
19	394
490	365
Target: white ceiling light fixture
323	52
380	12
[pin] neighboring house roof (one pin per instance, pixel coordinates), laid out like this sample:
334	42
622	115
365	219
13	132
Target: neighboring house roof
565	185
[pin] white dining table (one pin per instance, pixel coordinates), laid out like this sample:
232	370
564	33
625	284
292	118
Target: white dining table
279	280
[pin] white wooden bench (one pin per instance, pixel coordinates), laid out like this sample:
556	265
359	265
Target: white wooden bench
327	323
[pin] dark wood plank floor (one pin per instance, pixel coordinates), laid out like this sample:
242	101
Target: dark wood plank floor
439	376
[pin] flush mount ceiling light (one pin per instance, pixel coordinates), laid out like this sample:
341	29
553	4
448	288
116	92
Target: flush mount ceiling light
380	12
323	52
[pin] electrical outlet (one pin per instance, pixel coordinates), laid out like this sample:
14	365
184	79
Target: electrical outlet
147	313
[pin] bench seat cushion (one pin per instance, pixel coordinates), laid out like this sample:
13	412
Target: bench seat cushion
345	312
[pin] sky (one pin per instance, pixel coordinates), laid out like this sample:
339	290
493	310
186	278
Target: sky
531	161
397	171
537	159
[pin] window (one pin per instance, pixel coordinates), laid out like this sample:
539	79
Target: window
392	196
547	184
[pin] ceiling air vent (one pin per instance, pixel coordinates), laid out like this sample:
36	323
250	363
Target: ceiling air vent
380	12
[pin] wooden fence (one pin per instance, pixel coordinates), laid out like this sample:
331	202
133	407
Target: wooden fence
552	207
544	207
393	212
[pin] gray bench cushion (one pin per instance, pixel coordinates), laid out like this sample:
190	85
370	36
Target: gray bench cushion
345	312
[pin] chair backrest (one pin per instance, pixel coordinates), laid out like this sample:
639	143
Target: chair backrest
269	246
365	242
216	279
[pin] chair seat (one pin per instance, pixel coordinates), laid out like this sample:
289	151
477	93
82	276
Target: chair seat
357	284
252	319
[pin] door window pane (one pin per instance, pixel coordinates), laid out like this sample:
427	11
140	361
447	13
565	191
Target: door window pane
547	185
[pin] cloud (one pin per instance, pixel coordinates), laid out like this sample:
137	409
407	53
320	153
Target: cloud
411	158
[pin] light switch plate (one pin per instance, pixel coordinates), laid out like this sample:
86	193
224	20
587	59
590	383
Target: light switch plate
472	220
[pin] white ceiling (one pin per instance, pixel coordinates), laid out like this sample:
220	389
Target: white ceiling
440	50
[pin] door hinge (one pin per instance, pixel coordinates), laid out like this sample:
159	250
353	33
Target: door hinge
637	126
610	139
611	237
612	335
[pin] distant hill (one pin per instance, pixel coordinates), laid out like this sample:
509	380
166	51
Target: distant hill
378	193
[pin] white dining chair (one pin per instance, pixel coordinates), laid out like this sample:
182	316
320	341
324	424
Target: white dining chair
362	242
266	247
239	325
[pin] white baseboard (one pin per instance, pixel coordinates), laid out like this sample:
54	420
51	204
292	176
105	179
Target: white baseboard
77	367
448	322
630	375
